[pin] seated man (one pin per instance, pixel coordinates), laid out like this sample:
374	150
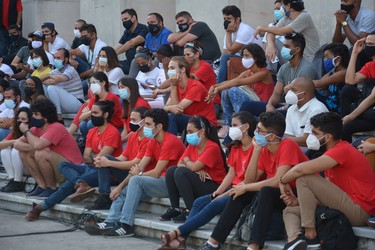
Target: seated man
45	146
52	42
163	150
63	85
349	185
16	43
191	30
77	33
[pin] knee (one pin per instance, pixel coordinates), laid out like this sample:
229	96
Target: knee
303	180
181	173
170	172
63	165
42	154
26	154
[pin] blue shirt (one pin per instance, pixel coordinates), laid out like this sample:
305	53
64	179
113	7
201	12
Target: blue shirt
154	42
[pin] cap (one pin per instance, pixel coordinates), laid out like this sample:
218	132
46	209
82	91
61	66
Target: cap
37	33
48	25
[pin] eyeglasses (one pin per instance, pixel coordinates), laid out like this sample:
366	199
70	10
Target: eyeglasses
259	130
193	46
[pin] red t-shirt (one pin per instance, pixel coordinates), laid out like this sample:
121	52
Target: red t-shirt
210	157
262	89
238	159
170	150
196	92
110	137
206	76
140	103
9	137
353	175
368	70
62	142
288	153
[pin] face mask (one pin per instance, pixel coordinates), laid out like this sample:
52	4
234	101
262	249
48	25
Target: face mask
77	33
247	62
58	64
37	62
148	133
193	139
97	121
29	91
153	28
124	94
103	60
285	53
278	14
313	142
95	88
10	104
261	139
14	38
347	8
1	97
36	44
134	126
171	72
235	133
370	51
183	27
291	98
144	68
226	24
127	24
38	123
85	40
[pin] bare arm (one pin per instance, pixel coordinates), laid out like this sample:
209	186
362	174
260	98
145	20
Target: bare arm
351	76
276	95
327	80
187	38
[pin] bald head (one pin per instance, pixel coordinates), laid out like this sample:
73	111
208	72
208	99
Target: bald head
304	84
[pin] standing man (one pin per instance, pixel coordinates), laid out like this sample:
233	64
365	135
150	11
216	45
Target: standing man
52	42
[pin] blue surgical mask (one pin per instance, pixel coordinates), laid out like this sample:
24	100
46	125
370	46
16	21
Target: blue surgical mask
328	65
37	62
261	139
124	94
10	104
148	132
193	139
58	64
171	72
103	60
278	14
286	53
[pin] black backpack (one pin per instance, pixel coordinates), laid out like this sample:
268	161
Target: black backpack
334	230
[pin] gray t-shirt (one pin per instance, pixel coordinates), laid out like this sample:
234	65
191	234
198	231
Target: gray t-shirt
73	85
24	54
304	24
207	39
287	74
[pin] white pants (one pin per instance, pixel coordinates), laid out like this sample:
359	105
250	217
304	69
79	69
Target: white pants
12	163
63	100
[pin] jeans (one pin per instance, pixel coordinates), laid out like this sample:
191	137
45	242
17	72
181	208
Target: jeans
84	127
183	182
63	100
83	66
223	69
256	108
357	125
109	176
349	94
202	212
73	174
177	123
4	132
140	187
125	67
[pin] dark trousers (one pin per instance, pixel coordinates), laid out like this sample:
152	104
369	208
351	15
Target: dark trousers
349	95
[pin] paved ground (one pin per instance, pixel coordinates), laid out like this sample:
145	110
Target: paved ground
13	223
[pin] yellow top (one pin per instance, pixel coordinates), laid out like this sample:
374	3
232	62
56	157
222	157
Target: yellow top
39	74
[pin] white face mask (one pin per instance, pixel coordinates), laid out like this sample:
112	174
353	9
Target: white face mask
77	33
95	88
247	62
36	44
1	97
291	98
313	142
235	133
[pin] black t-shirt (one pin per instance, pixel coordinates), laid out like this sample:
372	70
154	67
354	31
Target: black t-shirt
207	39
140	30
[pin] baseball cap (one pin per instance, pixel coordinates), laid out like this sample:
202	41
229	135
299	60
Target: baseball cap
37	33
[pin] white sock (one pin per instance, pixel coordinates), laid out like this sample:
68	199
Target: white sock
213	245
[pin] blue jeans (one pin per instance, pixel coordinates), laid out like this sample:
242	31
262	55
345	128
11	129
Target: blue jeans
256	108
177	123
109	176
73	173
84	127
4	132
202	212
139	188
82	65
223	68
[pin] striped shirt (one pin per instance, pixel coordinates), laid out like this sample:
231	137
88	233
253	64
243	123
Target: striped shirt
73	85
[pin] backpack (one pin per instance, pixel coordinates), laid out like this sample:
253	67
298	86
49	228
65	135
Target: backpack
334	230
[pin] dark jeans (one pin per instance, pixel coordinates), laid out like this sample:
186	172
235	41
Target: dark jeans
349	95
357	125
183	182
177	123
125	66
109	176
256	108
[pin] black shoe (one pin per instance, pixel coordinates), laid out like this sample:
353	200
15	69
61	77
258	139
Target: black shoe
169	214
103	202
181	218
120	231
207	246
9	183
311	243
98	228
297	244
15	186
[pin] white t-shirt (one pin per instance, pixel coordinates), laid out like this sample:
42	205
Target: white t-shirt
113	77
281	38
92	55
6	69
57	44
154	77
244	35
50	59
9	113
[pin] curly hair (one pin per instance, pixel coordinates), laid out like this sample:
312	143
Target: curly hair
46	108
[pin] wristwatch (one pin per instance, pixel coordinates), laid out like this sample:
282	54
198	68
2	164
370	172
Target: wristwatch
344	24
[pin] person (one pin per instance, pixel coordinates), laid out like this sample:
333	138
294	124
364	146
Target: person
356	120
272	156
206	207
197	172
77	34
63	85
51	41
237	36
33	90
278	14
13	101
348	186
189	31
157	33
186	98
149	78
116	169
163	148
44	146
17	41
104	139
329	87
131	99
296	66
10	156
254	84
296	20
4	84
164	55
6	68
134	36
109	64
40	62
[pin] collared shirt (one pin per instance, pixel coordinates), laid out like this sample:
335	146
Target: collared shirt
140	30
92	55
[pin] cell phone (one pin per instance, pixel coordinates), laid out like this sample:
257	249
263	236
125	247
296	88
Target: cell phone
213	196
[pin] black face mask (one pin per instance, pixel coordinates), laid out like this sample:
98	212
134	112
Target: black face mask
85	41
369	51
127	24
14	38
347	8
226	23
134	126
144	68
97	121
153	28
183	27
29	91
38	123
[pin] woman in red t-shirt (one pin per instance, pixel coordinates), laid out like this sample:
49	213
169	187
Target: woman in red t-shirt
254	84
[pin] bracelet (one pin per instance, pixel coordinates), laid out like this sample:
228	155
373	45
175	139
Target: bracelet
24	133
187	161
281	181
140	173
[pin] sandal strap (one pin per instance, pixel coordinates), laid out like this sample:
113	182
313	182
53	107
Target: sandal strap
166	239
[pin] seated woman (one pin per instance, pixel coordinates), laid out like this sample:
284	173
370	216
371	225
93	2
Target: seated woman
131	99
254	84
336	60
200	170
10	156
33	90
187	97
208	206
40	62
109	64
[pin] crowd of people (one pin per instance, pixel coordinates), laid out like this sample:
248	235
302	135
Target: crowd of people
150	123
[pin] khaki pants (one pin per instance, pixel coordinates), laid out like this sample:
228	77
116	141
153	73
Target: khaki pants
313	190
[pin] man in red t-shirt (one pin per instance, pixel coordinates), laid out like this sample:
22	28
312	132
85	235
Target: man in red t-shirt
350	187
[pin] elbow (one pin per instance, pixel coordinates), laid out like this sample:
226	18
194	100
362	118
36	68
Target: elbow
350	81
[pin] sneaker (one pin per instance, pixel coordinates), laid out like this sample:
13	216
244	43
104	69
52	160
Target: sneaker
169	214
14	186
120	232
371	222
37	191
207	246
181	218
223	132
103	202
34	213
3	187
98	228
84	191
311	243
46	193
297	244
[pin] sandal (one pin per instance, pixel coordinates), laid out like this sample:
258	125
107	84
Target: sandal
166	240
